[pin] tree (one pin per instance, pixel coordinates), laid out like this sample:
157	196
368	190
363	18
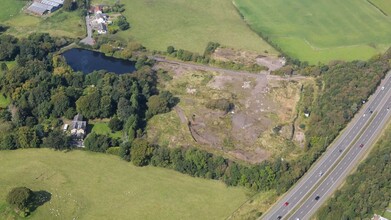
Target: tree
57	140
89	105
115	124
106	106
122	23
160	103
141	152
170	49
20	198
60	103
69	5
124	109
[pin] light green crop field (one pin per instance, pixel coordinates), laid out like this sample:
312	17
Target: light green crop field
86	185
384	5
320	30
188	25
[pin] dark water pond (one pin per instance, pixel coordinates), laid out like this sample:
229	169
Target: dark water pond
87	61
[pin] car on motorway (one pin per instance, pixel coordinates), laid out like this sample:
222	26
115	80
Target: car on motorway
279	217
340	150
361	145
382	88
286	203
317	198
320	173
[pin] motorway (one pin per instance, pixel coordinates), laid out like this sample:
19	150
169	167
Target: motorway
325	176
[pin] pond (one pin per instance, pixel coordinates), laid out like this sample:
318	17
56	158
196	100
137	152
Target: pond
88	61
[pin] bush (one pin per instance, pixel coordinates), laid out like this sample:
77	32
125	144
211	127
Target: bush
220	104
115	124
20	198
114	151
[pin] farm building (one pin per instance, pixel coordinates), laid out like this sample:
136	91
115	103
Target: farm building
41	7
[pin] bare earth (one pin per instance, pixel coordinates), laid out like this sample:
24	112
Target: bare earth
261	102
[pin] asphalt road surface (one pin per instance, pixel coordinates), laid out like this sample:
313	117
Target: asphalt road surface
302	201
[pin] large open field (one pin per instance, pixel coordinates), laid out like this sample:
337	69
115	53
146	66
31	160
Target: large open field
10	8
320	30
384	5
85	185
188	25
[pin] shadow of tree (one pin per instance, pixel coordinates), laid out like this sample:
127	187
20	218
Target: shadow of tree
40	198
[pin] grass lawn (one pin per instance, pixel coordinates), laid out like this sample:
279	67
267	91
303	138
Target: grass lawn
86	185
10	8
188	25
103	128
384	5
4	101
60	23
320	30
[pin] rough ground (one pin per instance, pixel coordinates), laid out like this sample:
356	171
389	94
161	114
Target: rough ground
261	101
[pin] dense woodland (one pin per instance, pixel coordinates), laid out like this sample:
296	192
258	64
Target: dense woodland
44	90
367	191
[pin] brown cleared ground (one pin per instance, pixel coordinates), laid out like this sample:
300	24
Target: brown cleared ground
261	103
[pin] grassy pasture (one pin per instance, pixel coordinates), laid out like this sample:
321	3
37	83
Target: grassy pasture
320	30
86	185
10	8
384	5
188	25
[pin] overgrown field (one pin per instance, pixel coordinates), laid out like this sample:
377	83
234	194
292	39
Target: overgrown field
60	23
321	30
187	25
85	185
383	5
245	133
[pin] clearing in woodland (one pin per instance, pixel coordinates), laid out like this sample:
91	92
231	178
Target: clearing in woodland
86	185
188	25
321	30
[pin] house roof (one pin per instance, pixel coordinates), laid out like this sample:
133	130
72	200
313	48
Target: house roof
61	2
37	8
51	3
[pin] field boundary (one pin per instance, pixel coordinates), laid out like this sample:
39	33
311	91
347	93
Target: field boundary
381	11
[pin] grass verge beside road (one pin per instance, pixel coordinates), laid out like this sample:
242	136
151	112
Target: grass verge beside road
86	185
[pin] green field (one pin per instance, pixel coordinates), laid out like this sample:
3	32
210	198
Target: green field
188	25
320	30
86	185
384	5
10	8
60	23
